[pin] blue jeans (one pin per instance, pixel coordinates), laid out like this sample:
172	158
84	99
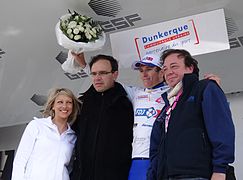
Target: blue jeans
138	169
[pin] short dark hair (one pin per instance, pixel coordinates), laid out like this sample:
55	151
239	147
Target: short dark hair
188	59
112	60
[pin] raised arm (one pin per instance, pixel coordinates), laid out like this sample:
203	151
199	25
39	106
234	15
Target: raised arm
79	58
75	63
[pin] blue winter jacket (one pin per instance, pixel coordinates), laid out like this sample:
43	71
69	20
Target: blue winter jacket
200	136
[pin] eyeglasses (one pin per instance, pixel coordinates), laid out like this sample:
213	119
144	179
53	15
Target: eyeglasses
100	73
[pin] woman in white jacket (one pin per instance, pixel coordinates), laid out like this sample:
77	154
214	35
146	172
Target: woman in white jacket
46	146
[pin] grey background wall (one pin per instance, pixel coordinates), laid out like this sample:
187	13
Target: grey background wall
236	105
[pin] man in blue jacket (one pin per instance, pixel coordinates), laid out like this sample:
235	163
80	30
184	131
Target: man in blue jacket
193	138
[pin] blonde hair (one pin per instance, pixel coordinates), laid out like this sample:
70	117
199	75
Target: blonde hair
52	95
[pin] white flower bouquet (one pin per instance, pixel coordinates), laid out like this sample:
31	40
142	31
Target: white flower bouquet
78	33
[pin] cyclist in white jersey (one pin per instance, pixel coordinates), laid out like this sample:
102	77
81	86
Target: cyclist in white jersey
147	104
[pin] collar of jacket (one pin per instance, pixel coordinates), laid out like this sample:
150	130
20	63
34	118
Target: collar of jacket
115	92
161	84
49	123
188	81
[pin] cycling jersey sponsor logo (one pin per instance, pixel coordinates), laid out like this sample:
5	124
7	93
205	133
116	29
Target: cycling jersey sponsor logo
147	125
159	100
142	97
148	112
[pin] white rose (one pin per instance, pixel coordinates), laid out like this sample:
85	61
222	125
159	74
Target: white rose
87	25
75	31
72	24
69	31
80	28
77	37
63	24
87	30
70	36
88	36
76	17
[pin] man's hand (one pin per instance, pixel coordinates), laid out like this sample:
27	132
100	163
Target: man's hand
218	176
213	77
79	58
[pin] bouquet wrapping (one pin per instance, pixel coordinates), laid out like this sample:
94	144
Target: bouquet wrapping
78	33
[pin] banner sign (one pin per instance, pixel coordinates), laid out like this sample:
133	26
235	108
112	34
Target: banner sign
199	34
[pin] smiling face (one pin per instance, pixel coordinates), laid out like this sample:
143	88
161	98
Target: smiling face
63	106
151	76
102	76
174	69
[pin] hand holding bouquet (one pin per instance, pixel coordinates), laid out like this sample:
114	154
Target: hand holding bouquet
78	33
